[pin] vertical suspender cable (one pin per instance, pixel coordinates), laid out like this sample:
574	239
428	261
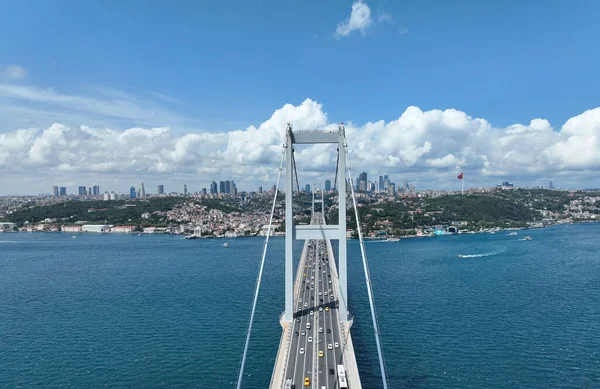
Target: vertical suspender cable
368	279
262	264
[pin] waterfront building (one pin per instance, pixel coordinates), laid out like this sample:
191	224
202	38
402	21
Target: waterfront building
95	227
70	228
123	229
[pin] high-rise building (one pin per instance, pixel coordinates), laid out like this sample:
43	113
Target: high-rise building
327	185
96	190
55	191
362	186
307	188
62	191
550	185
260	190
132	193
221	186
81	191
380	188
385	177
203	191
213	187
142	191
89	191
363	177
161	189
185	189
235	192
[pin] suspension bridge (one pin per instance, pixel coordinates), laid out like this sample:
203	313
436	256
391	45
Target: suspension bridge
316	350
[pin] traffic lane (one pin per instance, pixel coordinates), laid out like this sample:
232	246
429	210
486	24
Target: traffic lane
297	361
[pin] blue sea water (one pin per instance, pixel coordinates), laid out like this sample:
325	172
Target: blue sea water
157	311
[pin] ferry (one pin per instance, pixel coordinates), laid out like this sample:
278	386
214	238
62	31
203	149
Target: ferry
393	239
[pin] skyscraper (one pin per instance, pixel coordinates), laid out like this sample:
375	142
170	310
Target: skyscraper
260	190
96	190
221	186
161	189
307	188
55	190
550	185
203	191
89	191
227	186
81	191
385	177
380	183
185	189
63	191
142	191
132	192
327	185
213	187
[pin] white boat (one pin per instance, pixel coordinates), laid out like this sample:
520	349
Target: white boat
393	239
459	256
528	238
513	234
225	244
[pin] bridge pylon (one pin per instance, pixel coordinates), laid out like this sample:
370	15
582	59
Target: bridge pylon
306	232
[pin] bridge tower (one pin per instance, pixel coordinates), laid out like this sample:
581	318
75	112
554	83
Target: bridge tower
304	232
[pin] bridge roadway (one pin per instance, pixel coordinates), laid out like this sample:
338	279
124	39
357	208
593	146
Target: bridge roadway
315	327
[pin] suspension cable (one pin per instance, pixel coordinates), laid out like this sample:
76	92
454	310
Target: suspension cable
262	264
295	171
367	279
337	165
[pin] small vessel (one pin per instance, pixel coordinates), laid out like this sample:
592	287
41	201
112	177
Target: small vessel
191	236
225	244
139	234
528	238
393	239
459	256
74	237
513	234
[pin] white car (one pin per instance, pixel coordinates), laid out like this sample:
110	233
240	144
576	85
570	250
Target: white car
303	333
310	339
320	329
337	344
300	299
311	312
320	309
330	281
301	351
325	293
320	293
329	346
306	304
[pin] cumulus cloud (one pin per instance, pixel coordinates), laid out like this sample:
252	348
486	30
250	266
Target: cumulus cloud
359	19
429	146
13	72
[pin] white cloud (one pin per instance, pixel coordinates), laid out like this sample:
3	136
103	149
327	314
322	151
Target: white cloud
428	147
13	72
359	19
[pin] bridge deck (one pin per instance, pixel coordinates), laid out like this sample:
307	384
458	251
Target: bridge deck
315	327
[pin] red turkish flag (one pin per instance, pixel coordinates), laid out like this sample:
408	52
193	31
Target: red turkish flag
460	176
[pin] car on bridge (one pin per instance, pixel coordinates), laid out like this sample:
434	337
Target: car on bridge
306	381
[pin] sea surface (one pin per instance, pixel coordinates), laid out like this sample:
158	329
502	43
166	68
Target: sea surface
158	311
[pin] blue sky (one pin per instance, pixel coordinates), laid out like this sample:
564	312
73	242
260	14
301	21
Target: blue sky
237	61
221	66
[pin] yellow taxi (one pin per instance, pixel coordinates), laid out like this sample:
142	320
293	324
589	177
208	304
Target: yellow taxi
304	274
320	353
306	381
326	309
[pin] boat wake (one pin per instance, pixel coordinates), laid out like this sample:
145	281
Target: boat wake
479	255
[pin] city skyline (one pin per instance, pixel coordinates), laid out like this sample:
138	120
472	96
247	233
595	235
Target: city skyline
189	120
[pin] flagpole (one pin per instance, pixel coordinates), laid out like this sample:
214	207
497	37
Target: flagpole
463	185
